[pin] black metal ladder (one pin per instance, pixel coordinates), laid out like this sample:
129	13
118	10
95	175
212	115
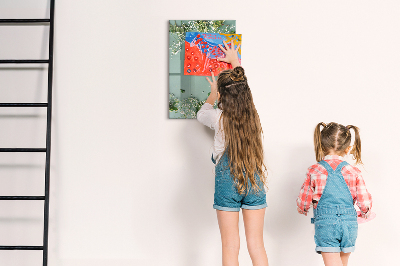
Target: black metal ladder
47	105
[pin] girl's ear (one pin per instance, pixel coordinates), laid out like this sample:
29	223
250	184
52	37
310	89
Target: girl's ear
348	149
218	95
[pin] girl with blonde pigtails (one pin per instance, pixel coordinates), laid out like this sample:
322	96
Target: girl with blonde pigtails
332	187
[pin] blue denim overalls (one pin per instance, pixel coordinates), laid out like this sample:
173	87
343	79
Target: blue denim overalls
226	195
335	218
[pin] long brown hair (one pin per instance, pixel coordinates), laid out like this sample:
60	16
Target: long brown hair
336	137
242	130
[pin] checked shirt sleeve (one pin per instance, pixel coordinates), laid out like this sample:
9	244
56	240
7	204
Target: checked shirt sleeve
306	193
364	199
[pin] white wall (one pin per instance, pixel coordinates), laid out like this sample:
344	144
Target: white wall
131	187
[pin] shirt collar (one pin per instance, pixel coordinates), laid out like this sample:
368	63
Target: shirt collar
333	157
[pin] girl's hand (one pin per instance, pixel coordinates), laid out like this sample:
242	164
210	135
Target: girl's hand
213	83
231	54
300	211
214	89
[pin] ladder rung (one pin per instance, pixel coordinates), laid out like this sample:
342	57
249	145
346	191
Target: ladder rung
21	197
23	104
24	61
22	149
21	247
24	20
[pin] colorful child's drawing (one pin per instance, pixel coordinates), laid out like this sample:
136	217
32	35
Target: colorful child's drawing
202	51
187	93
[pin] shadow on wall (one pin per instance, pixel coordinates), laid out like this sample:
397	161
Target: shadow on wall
193	205
284	226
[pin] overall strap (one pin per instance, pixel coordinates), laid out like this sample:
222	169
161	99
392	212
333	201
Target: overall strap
340	166
212	159
326	166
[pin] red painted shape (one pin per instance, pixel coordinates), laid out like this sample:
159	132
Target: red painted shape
199	65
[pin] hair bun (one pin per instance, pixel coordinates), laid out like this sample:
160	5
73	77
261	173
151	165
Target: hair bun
237	74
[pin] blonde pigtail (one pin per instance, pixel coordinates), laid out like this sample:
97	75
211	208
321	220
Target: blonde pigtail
319	153
356	151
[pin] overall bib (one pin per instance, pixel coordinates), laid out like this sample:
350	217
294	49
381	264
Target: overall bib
335	218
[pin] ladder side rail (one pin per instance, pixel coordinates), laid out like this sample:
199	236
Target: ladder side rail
48	137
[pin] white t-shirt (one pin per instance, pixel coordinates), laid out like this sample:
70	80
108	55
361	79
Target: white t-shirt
210	117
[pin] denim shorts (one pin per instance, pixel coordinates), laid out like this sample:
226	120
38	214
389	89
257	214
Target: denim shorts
227	197
335	233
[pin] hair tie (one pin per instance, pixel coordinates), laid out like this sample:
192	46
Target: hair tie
235	84
348	130
235	78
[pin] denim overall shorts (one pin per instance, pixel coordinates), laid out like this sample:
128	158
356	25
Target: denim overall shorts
226	195
335	218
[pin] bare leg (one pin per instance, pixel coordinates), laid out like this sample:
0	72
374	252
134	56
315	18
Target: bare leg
254	226
345	258
332	259
229	228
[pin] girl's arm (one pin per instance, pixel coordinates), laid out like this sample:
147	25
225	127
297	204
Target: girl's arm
207	115
364	199
231	57
305	197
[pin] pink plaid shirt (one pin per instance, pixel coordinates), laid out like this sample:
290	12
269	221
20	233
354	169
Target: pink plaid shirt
314	185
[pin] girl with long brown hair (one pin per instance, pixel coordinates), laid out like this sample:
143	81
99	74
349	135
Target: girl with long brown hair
240	173
332	187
